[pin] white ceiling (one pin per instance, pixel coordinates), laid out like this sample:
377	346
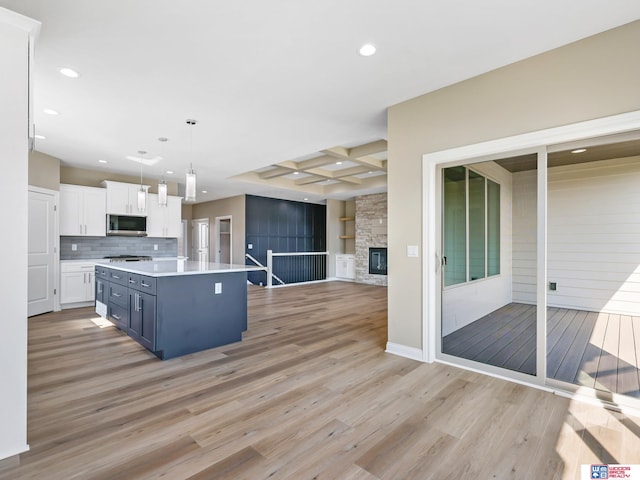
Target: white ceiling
268	81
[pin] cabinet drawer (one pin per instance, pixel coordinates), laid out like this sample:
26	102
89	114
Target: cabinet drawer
147	284
119	295
133	280
102	272
118	277
119	315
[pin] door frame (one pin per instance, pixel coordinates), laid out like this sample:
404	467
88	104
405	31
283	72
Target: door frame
56	241
193	236
217	237
533	142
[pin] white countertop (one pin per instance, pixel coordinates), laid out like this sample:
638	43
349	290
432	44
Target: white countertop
167	268
104	260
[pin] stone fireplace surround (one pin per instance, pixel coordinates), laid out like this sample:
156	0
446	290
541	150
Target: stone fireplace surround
371	231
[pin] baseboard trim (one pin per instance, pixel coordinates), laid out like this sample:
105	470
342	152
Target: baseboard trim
9	456
404	351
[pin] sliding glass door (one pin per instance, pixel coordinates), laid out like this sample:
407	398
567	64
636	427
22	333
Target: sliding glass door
489	263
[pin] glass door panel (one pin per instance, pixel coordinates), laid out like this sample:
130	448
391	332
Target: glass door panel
593	271
489	245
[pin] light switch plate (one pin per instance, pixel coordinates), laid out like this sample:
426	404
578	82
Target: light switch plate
250	246
412	251
74	247
155	246
217	288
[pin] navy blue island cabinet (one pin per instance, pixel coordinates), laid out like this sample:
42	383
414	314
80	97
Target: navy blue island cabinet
174	307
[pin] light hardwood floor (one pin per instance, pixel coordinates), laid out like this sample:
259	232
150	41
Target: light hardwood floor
309	393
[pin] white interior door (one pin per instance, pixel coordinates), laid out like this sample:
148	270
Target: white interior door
42	252
201	239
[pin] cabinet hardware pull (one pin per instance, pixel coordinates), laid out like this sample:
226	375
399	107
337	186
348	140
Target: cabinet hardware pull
116	316
145	284
115	276
132	281
116	295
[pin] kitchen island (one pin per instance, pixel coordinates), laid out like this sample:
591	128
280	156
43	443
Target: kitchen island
174	308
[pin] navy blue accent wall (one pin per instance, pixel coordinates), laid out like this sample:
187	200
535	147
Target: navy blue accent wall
286	226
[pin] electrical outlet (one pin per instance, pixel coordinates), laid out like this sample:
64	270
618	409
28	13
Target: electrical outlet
74	247
155	246
217	288
250	246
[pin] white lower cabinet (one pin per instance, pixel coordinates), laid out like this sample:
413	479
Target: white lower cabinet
346	266
77	280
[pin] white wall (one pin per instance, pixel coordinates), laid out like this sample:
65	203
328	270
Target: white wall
593	236
463	304
525	203
14	45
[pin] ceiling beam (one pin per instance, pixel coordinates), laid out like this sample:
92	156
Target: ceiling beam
346	172
371	162
335	175
340	153
275	172
372	148
310	179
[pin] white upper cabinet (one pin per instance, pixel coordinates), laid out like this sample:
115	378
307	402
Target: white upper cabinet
164	221
122	198
83	211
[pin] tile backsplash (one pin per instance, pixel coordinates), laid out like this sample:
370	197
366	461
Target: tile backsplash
99	247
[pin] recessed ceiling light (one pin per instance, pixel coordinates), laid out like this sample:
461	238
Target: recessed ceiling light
204	191
49	111
579	150
370	171
367	50
40	137
102	161
338	163
296	173
68	72
169	172
305	198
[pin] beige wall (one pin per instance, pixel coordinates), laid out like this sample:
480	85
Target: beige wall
335	245
92	178
234	206
44	171
593	78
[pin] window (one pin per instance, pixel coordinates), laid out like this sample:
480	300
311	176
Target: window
471	226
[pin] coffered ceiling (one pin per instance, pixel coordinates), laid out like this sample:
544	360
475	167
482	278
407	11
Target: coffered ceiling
276	87
336	172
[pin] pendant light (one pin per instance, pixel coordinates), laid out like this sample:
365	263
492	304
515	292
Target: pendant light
162	193
190	179
142	194
162	186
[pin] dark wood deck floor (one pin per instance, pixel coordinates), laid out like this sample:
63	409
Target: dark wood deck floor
597	350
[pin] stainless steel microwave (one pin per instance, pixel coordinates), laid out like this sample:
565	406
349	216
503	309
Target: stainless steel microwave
126	225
